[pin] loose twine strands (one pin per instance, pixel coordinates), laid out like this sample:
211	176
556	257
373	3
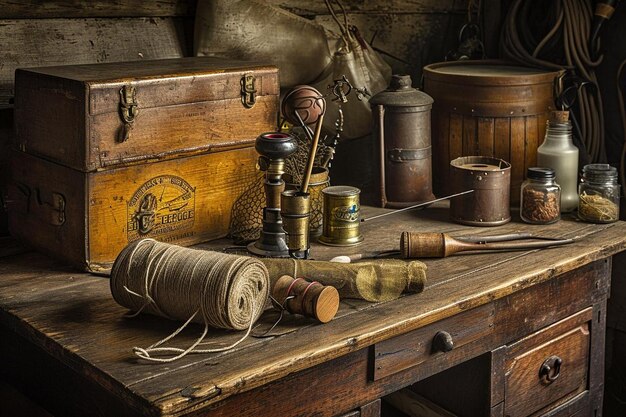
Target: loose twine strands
210	288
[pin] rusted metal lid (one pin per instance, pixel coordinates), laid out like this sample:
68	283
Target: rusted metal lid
400	93
487	72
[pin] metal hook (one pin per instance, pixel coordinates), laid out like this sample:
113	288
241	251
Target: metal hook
338	89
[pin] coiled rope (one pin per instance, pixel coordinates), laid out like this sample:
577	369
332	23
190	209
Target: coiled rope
211	288
564	44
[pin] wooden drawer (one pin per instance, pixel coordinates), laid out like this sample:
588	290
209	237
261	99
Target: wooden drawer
433	342
548	367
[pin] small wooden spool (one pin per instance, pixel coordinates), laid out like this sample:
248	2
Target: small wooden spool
312	299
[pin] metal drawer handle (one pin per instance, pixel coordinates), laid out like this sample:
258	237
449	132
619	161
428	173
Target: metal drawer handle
550	369
442	342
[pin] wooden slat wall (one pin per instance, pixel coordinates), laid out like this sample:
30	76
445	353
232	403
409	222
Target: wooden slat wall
46	42
412	33
45	9
42	33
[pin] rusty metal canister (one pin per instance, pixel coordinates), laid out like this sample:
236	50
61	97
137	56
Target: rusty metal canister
402	128
341	216
490	178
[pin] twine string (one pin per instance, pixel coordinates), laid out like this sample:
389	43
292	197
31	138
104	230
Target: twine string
214	289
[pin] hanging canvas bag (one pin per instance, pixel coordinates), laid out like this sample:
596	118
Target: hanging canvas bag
253	30
365	70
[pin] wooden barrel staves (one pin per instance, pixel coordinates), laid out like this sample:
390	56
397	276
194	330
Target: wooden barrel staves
488	108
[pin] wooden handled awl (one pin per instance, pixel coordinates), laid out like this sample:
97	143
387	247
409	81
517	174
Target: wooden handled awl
439	245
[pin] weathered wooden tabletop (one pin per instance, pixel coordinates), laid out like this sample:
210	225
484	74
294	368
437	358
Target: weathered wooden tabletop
72	316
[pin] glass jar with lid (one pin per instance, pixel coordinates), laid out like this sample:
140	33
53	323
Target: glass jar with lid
540	199
598	194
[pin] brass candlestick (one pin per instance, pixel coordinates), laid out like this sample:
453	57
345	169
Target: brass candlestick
273	147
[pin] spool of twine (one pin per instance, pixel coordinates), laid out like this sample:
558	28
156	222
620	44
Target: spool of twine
211	288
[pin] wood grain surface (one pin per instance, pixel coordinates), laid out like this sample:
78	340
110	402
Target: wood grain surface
37	43
37	9
71	316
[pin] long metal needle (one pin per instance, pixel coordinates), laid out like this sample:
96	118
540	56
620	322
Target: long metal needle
417	205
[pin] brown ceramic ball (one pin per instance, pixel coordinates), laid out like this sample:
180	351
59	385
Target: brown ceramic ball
307	101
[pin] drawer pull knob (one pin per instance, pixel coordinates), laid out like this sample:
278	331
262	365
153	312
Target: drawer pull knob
550	369
442	342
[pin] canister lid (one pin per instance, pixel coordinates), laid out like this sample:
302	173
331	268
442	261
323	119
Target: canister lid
538	173
341	190
599	172
487	72
400	93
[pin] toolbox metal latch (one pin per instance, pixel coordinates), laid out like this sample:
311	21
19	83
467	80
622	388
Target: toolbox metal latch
48	207
128	110
248	91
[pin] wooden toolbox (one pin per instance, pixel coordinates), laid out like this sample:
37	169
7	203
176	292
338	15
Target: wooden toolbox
110	153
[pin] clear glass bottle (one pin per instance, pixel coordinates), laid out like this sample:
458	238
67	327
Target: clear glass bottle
599	193
559	153
540	198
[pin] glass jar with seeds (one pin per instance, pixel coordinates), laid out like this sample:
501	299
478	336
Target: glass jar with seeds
540	199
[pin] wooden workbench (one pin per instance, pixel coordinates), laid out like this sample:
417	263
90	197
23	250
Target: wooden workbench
65	343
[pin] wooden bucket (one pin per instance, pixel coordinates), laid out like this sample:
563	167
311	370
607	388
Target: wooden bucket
489	108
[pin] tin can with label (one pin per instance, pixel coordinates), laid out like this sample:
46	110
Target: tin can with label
341	216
